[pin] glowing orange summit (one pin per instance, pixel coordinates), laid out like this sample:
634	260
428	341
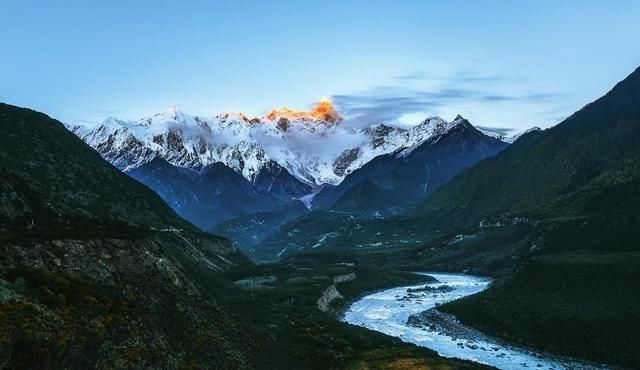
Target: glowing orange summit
323	111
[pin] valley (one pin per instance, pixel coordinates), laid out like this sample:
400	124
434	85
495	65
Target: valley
108	257
283	302
108	276
335	185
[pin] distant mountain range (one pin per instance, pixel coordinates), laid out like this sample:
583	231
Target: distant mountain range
239	169
387	185
314	148
390	182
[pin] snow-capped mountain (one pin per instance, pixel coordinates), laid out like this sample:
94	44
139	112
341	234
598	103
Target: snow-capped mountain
436	152
389	185
316	147
244	177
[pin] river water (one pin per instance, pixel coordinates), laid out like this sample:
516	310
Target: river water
388	312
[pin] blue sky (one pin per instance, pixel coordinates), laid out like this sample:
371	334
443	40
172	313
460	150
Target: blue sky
499	63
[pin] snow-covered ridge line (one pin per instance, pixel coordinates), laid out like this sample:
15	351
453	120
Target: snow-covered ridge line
312	146
508	136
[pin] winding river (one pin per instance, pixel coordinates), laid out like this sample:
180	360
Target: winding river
399	312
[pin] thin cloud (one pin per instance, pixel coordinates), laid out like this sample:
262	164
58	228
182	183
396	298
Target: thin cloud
497	130
459	77
412	76
389	103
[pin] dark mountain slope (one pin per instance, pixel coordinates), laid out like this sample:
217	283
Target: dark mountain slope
275	180
73	179
546	171
250	230
96	271
207	197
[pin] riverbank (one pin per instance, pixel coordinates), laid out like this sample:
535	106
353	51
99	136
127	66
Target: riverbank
399	312
281	301
580	304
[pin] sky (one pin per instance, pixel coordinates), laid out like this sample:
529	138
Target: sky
509	65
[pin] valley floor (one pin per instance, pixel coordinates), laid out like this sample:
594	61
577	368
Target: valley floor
283	302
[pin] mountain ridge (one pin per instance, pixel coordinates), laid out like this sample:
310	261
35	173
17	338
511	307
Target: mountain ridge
248	145
407	175
388	186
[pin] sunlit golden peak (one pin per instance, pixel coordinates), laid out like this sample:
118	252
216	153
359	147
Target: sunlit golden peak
323	111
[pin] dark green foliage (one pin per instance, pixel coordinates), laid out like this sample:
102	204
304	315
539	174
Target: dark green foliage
96	271
52	172
112	303
582	304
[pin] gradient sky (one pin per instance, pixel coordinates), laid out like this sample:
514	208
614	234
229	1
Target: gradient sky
500	64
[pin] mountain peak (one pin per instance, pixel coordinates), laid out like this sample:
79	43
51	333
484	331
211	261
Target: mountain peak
174	113
171	113
246	144
459	120
236	116
323	111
